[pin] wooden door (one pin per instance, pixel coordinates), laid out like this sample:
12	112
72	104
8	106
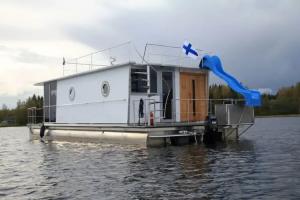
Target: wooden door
193	96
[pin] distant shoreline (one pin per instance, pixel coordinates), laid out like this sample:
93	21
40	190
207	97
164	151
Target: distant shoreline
12	126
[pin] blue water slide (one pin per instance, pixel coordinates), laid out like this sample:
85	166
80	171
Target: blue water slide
213	63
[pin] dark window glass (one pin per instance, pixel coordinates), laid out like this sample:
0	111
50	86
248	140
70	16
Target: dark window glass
50	101
53	87
153	81
139	80
167	94
47	101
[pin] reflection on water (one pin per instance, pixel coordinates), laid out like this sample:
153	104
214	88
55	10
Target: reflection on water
264	164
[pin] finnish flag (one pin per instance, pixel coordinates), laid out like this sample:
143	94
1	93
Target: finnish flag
189	51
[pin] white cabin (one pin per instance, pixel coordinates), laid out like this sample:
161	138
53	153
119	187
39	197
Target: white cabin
112	95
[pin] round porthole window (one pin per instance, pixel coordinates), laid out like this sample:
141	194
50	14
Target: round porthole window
72	93
105	88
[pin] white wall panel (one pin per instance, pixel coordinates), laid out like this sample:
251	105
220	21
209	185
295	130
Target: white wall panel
89	106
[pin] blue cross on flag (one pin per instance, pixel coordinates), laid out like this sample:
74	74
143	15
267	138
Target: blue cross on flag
189	51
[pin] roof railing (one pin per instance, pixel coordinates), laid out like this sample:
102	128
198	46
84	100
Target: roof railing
128	52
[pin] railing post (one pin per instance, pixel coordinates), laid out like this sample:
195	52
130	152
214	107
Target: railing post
28	115
154	109
133	112
148	80
34	115
148	120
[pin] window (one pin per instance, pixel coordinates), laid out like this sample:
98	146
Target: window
139	80
47	102
105	89
72	93
167	87
50	101
153	81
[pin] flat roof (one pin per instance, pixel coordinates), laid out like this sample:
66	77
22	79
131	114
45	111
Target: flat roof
109	68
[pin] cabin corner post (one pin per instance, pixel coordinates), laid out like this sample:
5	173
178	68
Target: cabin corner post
148	80
177	95
148	92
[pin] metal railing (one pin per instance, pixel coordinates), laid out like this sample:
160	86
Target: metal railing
157	107
128	52
35	115
190	114
48	113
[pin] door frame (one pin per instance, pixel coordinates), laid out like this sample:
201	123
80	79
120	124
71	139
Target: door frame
160	86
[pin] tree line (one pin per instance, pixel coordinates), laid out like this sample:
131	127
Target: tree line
18	115
285	101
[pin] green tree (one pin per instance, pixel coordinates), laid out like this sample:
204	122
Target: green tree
285	101
19	114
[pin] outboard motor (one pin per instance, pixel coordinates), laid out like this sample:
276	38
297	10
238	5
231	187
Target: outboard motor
211	134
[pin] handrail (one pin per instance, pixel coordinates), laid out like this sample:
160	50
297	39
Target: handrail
128	52
36	115
32	117
209	102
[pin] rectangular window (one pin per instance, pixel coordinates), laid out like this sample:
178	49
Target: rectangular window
153	80
50	101
167	87
139	80
46	102
53	86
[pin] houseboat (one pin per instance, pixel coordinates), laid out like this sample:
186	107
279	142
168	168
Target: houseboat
149	103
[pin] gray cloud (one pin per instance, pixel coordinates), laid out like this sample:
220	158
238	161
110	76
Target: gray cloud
27	56
257	40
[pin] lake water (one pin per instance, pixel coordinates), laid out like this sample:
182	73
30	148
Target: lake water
264	164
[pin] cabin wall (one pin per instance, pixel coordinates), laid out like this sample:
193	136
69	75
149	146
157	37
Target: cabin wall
89	105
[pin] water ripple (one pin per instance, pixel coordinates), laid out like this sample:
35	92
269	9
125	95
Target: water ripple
265	164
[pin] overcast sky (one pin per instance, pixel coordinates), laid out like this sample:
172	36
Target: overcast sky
258	41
